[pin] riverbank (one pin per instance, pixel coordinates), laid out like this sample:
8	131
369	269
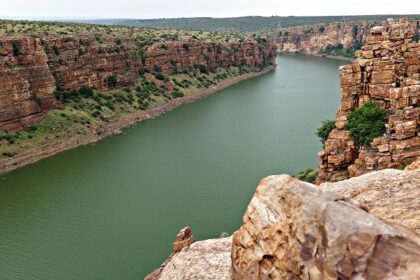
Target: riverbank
343	58
104	129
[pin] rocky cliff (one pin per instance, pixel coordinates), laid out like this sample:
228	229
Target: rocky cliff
361	228
387	72
318	37
33	67
314	38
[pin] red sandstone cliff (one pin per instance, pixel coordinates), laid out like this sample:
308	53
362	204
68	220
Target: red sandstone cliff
387	71
314	38
32	68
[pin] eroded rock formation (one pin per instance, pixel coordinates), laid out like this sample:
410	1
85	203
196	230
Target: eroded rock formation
183	239
293	230
32	68
208	259
27	83
387	71
315	38
390	194
360	228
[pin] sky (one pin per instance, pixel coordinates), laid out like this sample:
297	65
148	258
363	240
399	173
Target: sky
101	9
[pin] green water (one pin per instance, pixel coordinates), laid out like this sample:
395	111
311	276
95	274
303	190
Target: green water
111	210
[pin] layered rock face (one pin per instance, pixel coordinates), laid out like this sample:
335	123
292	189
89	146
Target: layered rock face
178	56
313	39
293	230
31	68
26	83
387	71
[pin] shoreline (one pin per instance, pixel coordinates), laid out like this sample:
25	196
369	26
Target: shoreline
105	129
344	58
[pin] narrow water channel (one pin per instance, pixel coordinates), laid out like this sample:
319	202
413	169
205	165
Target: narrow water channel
111	210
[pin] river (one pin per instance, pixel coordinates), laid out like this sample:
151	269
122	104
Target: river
112	209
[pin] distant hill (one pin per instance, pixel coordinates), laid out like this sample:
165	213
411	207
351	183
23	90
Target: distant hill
240	24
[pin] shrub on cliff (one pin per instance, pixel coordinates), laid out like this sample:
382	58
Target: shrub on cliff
16	49
112	81
160	76
186	46
201	67
86	91
177	94
366	123
325	129
308	175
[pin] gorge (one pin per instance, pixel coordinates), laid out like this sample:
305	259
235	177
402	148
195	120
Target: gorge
361	228
114	206
102	204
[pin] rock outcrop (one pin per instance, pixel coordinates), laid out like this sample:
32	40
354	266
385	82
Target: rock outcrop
314	38
208	259
361	228
389	194
32	68
27	83
293	230
386	71
183	239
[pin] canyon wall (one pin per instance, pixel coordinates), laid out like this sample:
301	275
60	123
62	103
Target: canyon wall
387	71
315	38
33	68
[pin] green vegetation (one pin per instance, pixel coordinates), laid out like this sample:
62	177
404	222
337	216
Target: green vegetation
325	129
416	37
339	50
366	123
86	108
104	33
112	81
243	24
59	124
308	175
16	49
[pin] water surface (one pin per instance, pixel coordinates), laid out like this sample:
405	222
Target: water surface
111	210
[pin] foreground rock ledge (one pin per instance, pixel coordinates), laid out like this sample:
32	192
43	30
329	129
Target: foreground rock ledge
391	194
292	230
208	259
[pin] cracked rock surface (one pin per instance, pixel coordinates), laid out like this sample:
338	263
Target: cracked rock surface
293	230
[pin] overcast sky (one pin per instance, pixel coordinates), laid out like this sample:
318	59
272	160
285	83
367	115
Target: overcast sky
94	9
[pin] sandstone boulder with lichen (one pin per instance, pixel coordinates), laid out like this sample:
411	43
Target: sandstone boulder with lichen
293	230
389	194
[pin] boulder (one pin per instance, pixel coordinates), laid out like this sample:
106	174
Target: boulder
293	230
389	194
208	259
